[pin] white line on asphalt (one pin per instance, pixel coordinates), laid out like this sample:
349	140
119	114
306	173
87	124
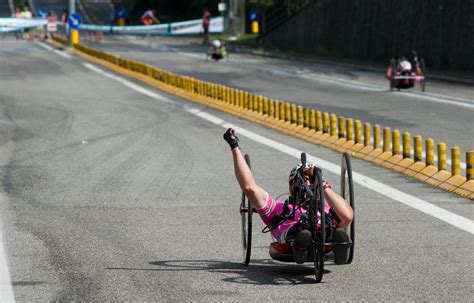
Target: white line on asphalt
52	49
6	290
129	84
369	183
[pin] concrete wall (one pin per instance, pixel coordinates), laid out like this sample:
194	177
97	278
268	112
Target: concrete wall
382	29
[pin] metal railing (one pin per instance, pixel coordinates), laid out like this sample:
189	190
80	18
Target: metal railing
282	11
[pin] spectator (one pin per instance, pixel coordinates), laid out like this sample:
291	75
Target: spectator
206	18
17	14
148	17
26	14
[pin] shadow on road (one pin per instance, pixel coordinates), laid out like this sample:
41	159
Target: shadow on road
259	272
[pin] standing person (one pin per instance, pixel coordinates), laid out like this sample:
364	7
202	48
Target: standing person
112	14
17	14
336	208
64	17
206	19
148	17
27	14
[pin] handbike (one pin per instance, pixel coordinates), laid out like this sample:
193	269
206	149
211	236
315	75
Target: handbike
311	199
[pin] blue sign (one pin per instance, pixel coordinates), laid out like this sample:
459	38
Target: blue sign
74	20
122	12
42	12
254	15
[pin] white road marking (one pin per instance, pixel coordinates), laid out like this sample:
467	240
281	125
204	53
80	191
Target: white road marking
371	184
129	84
6	290
52	49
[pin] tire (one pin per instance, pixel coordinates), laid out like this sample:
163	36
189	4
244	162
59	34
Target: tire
347	192
246	212
319	236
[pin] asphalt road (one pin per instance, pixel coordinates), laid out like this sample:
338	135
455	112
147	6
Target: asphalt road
113	195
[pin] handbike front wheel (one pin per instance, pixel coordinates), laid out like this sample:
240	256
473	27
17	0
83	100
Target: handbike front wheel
246	212
347	192
319	234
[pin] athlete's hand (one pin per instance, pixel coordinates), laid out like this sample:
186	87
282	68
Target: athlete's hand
231	138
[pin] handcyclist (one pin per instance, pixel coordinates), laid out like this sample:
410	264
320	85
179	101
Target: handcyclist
149	17
337	209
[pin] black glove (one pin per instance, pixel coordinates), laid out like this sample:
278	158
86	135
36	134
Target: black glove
231	138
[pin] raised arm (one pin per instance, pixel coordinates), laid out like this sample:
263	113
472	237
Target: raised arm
243	174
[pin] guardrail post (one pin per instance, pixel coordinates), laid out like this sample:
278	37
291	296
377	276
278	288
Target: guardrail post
441	156
341	130
429	151
455	161
406	145
470	165
349	129
386	139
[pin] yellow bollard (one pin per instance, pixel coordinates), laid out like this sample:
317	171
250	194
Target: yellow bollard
418	147
319	121
470	165
396	142
287	112
254	26
325	123
260	104
312	119
306	117
277	110
406	145
455	161
294	114
376	136
441	156
265	105
386	139
349	129
271	108
367	138
358	131
299	115
341	129
74	36
333	125
429	151
246	100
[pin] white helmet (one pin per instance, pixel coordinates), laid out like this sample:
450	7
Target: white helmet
294	173
216	43
405	65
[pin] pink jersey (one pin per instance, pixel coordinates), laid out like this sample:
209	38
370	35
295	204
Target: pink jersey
275	207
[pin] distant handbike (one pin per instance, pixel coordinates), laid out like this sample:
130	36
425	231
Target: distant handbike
310	199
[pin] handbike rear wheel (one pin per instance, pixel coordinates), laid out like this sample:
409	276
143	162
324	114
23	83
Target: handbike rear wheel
246	212
347	192
319	234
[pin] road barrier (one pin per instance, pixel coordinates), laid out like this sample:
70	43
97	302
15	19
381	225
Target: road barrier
338	133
